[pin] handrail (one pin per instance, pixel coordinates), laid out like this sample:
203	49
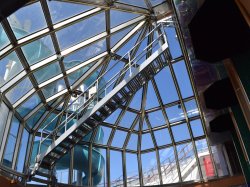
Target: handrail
95	97
170	164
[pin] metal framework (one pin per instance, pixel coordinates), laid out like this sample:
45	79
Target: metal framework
118	38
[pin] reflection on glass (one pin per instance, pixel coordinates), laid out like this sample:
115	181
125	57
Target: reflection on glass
102	169
24	22
175	113
63	10
47	72
84	54
119	17
205	159
4	40
10	67
150	169
53	88
19	90
28	105
62	169
32	121
22	151
191	108
81	31
187	162
11	142
38	50
4	110
168	166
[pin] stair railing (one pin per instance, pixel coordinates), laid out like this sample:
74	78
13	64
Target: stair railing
101	91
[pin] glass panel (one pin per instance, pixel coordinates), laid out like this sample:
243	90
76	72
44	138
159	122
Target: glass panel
187	162
11	143
127	119
113	117
102	135
119	35
220	160
153	101
81	31
80	165
47	72
119	17
156	2
4	40
4	111
22	151
156	118
132	170
116	174
168	166
24	21
205	159
191	108
28	105
10	67
162	137
197	128
149	169
62	168
139	3
180	132
54	88
136	102
119	138
19	90
166	88
175	113
133	142
38	50
73	77
146	141
173	42
34	118
183	79
84	54
62	10
99	169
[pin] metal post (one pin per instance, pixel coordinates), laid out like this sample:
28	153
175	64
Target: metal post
129	62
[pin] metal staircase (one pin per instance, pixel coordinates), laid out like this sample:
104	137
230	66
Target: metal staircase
101	100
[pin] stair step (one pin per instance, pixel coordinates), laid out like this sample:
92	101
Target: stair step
111	105
42	174
58	152
97	117
40	180
66	147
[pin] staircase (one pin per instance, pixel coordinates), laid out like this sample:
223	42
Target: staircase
100	101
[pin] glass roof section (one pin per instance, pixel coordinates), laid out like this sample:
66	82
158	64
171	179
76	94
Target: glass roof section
51	51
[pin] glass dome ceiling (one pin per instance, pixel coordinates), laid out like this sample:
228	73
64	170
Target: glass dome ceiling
50	51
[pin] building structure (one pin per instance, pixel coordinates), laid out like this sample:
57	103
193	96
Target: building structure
110	93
